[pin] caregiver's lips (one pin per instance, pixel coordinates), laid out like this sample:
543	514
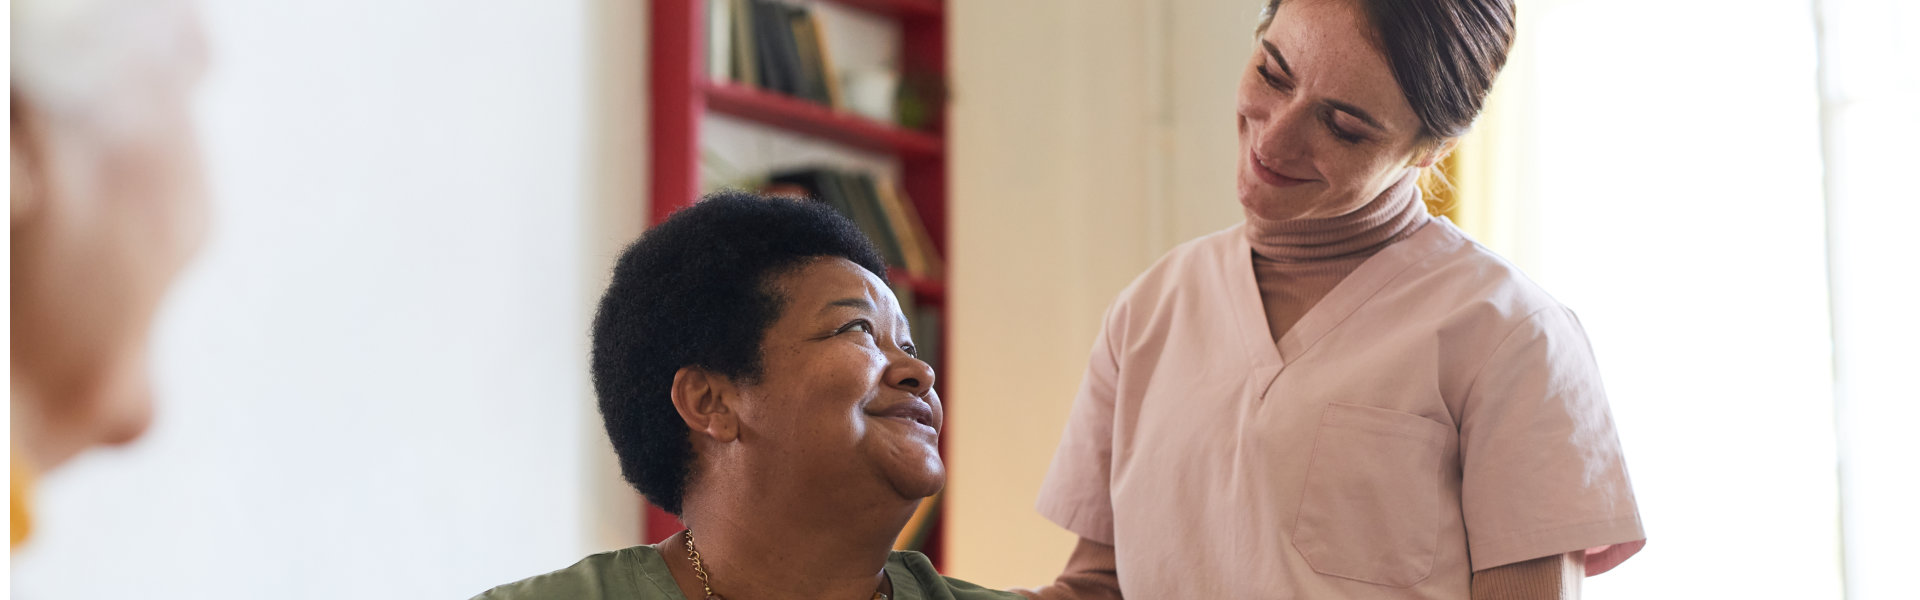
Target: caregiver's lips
1272	177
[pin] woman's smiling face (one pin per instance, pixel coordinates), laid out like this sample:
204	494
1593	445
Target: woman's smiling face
843	402
1324	127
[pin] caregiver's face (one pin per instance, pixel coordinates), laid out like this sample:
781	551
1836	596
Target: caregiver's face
1324	128
843	401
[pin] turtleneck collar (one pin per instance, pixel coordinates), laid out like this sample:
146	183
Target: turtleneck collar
1395	214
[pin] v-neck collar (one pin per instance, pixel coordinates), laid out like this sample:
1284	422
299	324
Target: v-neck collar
1346	297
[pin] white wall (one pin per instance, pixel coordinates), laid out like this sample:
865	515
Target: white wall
373	382
1678	208
1871	87
1089	137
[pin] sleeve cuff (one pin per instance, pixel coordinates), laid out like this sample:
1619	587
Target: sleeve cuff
1082	517
1488	553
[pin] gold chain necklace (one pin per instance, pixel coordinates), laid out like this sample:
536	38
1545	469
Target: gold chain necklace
706	584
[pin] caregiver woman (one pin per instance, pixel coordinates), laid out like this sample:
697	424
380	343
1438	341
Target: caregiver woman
1343	397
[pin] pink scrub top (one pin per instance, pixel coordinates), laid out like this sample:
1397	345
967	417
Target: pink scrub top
1435	414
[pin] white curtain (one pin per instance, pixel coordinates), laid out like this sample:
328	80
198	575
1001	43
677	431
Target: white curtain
1870	76
1714	186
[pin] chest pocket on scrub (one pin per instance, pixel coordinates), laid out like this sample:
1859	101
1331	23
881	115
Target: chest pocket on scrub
1370	506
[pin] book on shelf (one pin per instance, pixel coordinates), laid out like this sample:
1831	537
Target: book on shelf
778	62
806	44
878	208
920	256
719	40
744	65
865	202
828	74
773	46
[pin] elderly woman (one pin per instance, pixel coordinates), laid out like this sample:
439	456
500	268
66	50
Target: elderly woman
758	380
107	206
1343	397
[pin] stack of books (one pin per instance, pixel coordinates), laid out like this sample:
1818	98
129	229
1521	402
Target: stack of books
878	207
773	46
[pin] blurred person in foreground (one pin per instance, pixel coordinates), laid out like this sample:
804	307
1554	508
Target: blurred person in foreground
108	203
758	380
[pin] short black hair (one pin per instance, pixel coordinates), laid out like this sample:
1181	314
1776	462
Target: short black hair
698	290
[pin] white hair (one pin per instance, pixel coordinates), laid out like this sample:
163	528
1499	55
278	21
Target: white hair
97	64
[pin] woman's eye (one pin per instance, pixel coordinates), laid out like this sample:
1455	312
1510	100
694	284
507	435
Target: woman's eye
912	350
1272	82
1342	133
860	326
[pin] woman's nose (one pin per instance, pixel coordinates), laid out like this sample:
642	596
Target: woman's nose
911	374
1280	136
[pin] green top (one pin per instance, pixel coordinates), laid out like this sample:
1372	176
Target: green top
639	573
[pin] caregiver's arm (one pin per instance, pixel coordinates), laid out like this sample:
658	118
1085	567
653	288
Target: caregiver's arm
1090	574
1546	578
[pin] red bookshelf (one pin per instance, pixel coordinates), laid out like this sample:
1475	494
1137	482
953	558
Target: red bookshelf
800	116
912	9
682	93
925	291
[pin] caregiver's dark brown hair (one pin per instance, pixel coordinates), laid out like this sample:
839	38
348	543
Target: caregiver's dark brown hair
1444	53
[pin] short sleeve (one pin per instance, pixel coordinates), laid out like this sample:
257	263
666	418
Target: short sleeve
1076	494
1542	470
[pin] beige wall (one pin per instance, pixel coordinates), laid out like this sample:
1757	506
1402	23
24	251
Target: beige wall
1089	137
616	213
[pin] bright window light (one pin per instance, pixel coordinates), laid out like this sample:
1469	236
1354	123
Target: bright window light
1871	86
1675	176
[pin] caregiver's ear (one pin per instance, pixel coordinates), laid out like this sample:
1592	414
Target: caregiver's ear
1434	154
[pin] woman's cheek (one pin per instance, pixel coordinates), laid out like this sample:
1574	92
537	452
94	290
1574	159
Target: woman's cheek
1351	167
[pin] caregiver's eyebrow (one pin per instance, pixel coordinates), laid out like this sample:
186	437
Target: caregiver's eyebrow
1357	113
1275	53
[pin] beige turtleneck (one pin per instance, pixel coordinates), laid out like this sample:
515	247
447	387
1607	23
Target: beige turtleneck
1296	262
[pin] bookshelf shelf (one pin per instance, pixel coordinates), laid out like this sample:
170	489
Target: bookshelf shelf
800	116
924	9
925	291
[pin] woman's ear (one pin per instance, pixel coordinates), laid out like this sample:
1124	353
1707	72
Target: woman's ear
705	401
1433	156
